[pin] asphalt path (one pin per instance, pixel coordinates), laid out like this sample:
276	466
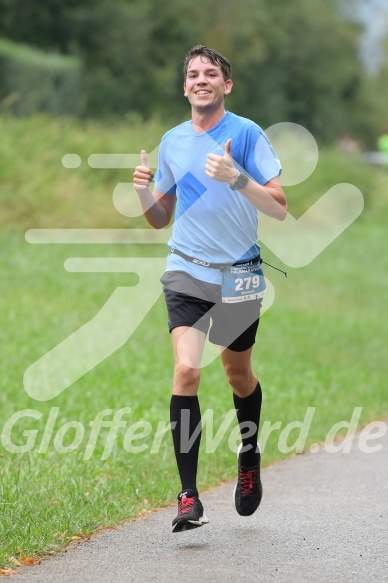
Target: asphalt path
323	519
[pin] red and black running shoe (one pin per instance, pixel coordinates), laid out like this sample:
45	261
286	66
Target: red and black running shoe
249	490
190	512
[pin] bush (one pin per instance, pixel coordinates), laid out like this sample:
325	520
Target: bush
33	81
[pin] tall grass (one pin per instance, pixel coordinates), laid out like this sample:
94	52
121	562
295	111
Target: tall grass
320	345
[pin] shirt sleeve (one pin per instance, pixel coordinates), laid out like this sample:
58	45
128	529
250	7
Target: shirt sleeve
164	179
259	157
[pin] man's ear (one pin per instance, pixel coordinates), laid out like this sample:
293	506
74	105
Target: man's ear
228	86
184	88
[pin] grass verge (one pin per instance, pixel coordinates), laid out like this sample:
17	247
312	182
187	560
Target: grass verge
319	346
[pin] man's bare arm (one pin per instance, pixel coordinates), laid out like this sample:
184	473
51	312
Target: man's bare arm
268	198
158	208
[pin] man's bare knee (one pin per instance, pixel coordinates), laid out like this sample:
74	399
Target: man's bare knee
186	379
242	382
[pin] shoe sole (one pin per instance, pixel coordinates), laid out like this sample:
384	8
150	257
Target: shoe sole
183	525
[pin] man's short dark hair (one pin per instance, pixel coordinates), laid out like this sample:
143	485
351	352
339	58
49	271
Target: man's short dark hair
214	57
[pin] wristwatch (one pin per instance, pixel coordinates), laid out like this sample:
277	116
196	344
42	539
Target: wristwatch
240	182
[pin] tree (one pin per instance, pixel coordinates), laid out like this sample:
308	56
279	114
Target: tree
292	61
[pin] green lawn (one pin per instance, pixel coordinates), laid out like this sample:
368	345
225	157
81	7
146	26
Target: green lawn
320	345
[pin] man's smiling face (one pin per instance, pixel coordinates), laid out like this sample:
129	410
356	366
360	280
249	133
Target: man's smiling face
205	87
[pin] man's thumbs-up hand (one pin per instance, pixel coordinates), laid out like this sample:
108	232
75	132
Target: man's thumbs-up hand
144	158
221	167
228	148
143	174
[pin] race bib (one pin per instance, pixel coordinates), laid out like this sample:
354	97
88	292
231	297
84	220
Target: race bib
242	283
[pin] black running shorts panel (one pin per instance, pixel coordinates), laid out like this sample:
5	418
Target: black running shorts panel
198	304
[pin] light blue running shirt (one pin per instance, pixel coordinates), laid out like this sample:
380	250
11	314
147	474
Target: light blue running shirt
212	222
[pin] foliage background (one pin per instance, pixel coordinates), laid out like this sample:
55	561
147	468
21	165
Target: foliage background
296	61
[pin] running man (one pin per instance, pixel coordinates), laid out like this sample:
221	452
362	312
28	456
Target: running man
216	171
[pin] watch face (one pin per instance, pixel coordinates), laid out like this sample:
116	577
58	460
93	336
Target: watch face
241	182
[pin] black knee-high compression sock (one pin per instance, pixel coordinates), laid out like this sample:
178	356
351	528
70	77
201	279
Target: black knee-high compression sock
185	417
248	410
